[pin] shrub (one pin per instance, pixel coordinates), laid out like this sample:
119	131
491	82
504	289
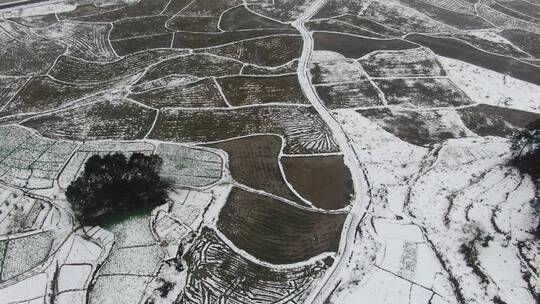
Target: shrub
526	148
111	184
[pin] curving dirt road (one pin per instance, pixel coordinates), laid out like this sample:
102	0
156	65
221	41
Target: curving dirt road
361	200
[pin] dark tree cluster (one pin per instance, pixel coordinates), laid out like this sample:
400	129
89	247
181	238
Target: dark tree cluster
112	184
526	147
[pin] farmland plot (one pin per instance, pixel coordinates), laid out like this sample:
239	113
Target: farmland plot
486	120
241	18
72	69
419	128
188	166
422	93
205	40
334	25
26	59
134	45
254	162
21	213
199	94
30	161
323	180
83	40
306	133
24	253
9	87
243	90
114	119
407	63
269	51
214	266
142	252
317	151
356	46
199	65
276	232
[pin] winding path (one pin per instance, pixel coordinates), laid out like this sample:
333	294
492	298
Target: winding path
361	199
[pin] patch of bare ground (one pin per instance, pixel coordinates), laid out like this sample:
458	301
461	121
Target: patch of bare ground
276	232
253	161
246	90
486	120
504	49
126	47
460	50
240	18
323	180
355	46
333	25
146	26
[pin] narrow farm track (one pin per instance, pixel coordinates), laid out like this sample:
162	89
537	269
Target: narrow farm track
361	200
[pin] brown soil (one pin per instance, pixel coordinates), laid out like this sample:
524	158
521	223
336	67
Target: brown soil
276	232
253	161
332	25
323	180
240	18
133	45
356	47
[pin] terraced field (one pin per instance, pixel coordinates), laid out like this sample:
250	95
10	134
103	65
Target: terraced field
313	151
